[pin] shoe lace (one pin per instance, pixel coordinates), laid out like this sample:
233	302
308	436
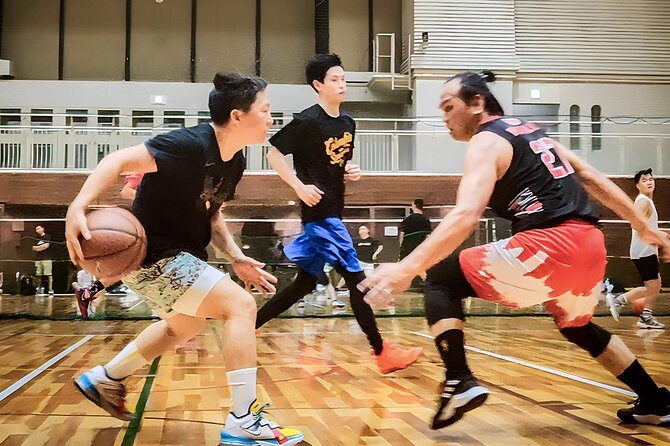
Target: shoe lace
258	415
115	391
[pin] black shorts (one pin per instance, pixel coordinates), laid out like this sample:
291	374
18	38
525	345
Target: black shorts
647	267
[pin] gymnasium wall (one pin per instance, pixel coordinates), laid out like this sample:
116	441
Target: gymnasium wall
94	37
545	39
287	39
349	32
94	40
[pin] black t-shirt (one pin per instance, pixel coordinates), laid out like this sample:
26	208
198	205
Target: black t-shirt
539	189
321	146
43	255
366	248
415	223
176	203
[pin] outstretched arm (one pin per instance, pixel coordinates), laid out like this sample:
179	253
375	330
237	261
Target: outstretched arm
610	195
474	191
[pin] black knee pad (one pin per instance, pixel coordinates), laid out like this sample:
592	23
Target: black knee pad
449	273
441	303
590	337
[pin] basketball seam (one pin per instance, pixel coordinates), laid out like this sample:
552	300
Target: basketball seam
136	237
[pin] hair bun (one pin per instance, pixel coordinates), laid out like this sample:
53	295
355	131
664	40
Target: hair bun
219	81
488	75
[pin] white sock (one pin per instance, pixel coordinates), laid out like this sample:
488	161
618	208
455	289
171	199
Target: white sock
242	384
125	363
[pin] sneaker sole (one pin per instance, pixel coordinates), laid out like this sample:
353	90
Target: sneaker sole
650	327
234	440
655	420
82	384
478	397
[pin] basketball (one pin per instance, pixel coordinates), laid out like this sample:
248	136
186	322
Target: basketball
117	245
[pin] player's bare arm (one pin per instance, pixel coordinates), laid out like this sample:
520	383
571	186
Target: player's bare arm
609	194
134	159
249	270
486	160
308	193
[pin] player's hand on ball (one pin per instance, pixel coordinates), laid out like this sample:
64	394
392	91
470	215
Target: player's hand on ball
253	275
352	172
310	194
75	225
383	283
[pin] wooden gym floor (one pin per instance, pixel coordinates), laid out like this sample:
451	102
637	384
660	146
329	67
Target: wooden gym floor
318	377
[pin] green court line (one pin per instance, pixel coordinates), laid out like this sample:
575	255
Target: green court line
134	426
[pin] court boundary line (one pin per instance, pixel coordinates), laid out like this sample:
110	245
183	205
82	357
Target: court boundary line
542	368
29	377
134	425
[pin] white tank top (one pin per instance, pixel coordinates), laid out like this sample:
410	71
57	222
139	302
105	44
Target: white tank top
638	248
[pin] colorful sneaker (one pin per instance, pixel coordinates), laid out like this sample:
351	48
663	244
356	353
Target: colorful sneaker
613	305
253	429
394	357
106	393
337	304
650	322
657	413
457	397
82	295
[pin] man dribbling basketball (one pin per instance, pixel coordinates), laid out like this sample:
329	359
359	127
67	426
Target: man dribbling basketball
188	174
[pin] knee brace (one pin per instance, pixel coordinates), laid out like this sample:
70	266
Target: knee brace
590	337
441	303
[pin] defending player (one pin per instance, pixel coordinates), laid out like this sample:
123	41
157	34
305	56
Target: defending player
556	255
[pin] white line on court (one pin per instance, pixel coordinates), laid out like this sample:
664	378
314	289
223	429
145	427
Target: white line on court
20	383
542	368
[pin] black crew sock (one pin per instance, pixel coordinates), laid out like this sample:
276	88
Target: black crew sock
451	346
637	378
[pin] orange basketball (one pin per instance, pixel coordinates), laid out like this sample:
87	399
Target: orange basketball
117	246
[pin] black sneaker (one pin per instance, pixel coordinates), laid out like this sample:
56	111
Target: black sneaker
457	397
657	413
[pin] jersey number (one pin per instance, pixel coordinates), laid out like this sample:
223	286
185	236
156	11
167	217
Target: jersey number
558	167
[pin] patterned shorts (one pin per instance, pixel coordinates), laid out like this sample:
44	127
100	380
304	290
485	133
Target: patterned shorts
179	283
561	267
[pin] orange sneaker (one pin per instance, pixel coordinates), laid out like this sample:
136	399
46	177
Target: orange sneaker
394	357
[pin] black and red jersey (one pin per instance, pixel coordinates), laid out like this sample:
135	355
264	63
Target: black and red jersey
539	189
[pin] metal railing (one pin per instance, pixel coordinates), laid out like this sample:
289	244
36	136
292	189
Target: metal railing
382	145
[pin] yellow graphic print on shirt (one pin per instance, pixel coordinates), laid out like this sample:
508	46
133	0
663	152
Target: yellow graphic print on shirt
338	148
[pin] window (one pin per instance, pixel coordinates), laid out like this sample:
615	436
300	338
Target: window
575	141
277	119
143	119
203	116
76	118
11	118
596	127
173	119
108	118
41	116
